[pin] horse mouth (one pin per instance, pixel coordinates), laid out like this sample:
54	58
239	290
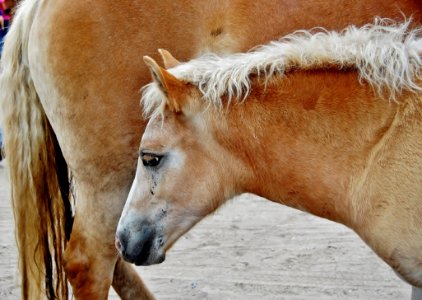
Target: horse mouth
143	248
144	258
150	261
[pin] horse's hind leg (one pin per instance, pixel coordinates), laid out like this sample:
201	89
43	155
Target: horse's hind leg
91	260
127	283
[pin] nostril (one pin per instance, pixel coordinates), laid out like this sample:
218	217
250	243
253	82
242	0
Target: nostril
121	243
160	241
118	244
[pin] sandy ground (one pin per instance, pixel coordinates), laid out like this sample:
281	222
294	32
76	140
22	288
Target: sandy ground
249	249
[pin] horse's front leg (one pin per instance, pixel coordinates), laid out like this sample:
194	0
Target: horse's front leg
416	293
91	260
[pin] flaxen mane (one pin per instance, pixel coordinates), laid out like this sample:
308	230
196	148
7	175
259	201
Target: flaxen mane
387	55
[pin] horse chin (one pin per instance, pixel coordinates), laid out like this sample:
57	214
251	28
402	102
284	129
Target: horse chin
155	260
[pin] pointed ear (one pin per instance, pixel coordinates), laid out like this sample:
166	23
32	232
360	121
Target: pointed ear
168	60
173	89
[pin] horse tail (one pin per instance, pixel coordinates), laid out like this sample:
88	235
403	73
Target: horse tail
38	173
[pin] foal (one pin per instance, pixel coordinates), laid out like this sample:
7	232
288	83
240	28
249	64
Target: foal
329	123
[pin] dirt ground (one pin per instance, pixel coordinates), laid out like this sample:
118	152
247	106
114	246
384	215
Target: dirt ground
249	249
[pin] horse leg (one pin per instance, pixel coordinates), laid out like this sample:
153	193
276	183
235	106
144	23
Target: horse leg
127	283
416	293
89	263
91	260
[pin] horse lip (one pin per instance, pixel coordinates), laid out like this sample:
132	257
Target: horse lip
157	260
156	255
161	258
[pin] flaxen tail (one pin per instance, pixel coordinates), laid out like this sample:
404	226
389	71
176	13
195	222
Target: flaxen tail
38	173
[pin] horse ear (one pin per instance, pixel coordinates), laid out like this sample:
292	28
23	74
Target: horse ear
173	89
168	59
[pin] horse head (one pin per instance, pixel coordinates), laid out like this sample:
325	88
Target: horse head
180	173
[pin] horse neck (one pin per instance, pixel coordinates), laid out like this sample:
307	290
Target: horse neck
305	137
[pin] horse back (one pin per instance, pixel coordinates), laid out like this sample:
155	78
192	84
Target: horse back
92	55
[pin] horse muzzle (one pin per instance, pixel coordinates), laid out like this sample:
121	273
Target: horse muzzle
140	244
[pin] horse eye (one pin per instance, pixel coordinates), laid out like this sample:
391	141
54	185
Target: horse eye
150	160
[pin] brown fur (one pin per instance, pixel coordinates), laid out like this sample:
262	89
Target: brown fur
85	59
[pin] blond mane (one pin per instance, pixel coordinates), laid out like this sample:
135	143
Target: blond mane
385	54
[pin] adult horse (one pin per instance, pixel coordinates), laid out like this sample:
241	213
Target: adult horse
71	71
304	122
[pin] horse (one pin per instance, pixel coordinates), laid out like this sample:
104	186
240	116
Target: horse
70	78
328	122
